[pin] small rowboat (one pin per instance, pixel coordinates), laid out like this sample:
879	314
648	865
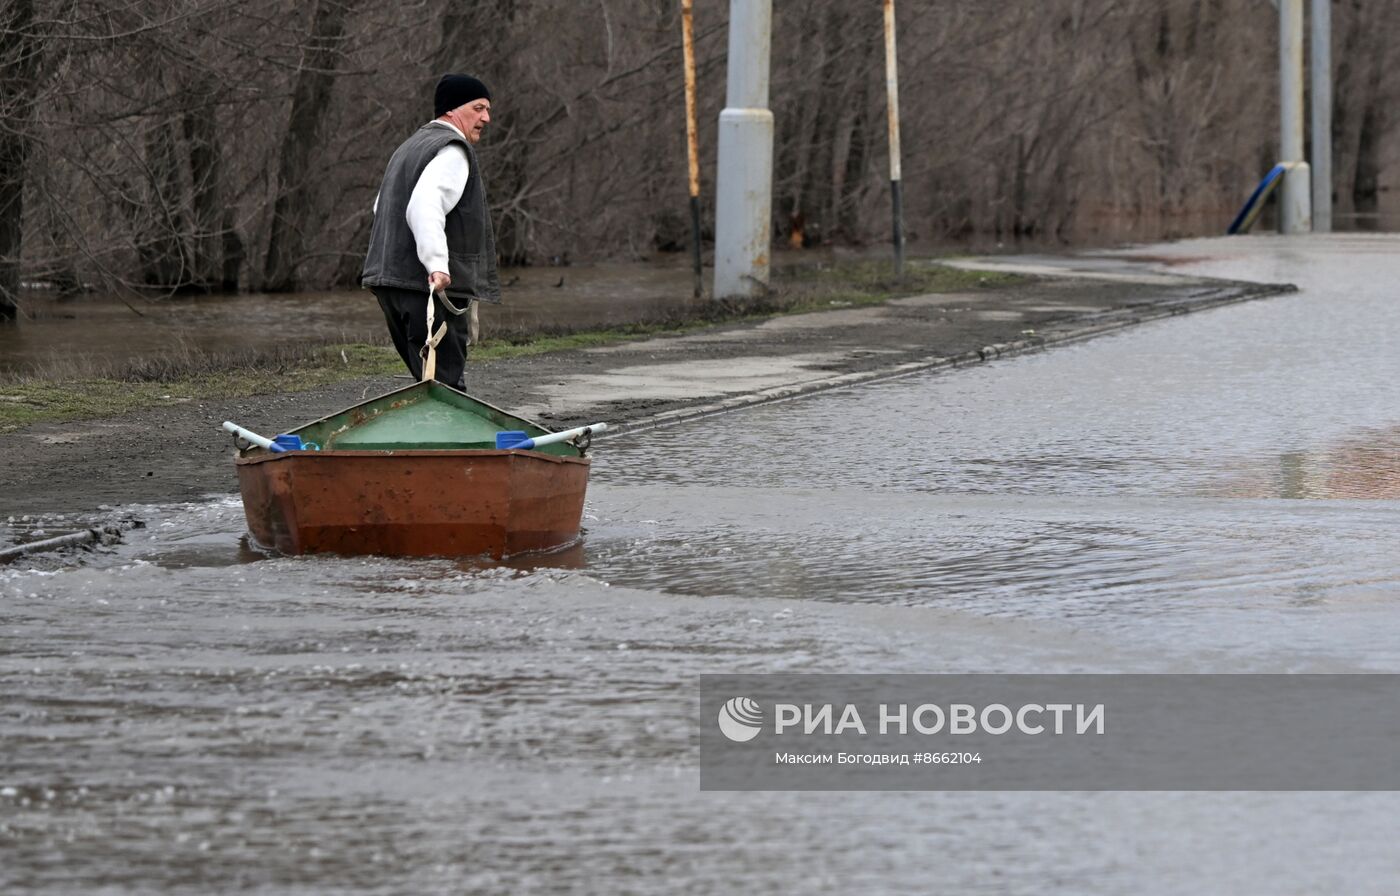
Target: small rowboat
415	473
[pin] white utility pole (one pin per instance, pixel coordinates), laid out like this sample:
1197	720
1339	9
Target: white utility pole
744	182
1321	116
1295	199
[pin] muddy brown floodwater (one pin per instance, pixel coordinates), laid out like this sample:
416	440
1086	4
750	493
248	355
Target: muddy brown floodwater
1210	493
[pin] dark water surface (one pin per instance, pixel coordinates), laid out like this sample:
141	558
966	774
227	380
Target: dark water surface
86	334
1213	493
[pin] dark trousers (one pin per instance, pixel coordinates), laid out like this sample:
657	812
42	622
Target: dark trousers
406	313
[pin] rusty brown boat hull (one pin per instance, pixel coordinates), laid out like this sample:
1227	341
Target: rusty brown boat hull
416	503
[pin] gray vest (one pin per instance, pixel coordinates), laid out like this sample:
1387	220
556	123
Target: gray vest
392	259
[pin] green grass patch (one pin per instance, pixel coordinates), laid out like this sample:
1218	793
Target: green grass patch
184	375
813	287
524	345
34	399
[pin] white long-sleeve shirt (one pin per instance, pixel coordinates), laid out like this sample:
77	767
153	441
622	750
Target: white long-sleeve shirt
437	192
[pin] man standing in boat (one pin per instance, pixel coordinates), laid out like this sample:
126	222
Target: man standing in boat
432	231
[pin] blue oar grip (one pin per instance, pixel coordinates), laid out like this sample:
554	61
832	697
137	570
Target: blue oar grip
514	438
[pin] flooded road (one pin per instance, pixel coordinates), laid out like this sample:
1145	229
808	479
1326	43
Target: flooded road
1212	493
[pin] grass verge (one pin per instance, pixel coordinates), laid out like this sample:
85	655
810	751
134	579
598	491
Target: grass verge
26	400
186	375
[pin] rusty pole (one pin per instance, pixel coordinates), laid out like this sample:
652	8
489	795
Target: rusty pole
692	140
892	92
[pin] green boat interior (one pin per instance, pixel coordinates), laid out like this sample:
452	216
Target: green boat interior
421	416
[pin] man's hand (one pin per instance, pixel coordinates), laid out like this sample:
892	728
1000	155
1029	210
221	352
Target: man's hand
439	281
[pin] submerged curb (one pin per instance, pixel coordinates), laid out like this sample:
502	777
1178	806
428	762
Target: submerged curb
1214	295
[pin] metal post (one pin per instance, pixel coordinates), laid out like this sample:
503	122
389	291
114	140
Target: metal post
1321	63
1295	201
692	141
892	104
744	182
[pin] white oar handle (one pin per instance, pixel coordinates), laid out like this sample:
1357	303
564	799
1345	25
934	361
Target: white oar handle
249	436
513	438
567	435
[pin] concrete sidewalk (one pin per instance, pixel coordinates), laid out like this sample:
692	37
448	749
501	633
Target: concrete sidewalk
647	383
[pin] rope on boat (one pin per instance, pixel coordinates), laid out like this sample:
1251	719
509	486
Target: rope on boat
429	351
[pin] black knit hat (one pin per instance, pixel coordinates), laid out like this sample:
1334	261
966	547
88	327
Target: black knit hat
456	90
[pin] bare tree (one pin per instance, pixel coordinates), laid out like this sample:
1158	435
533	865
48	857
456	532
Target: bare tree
166	145
293	209
19	50
1365	93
